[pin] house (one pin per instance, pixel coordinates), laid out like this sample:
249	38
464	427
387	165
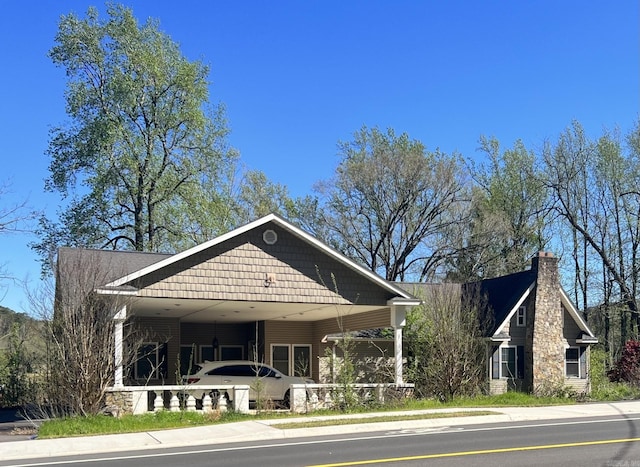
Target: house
271	292
267	291
539	341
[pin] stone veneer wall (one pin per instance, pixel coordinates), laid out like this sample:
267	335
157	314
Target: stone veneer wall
545	335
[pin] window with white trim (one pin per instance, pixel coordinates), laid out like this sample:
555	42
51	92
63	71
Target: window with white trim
575	362
187	359
292	359
231	352
151	361
521	316
507	362
207	354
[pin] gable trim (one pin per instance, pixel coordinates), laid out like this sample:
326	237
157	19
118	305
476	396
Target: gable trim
251	226
577	317
498	333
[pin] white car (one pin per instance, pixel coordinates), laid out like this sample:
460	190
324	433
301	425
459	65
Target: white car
272	384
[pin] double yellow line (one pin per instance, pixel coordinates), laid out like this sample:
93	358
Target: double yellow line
475	453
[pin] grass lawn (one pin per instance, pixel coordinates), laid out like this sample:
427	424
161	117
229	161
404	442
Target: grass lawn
103	424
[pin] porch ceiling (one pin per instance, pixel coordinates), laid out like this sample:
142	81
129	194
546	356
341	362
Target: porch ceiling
223	311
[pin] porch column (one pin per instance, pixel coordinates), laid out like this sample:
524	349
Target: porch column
118	335
399	307
398	321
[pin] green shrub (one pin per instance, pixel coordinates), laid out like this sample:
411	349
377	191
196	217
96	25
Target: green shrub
602	388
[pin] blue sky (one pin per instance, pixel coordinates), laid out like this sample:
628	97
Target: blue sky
297	77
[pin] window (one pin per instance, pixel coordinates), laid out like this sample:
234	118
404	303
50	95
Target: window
507	362
151	362
521	316
292	359
187	359
575	362
206	353
302	360
231	352
234	370
280	358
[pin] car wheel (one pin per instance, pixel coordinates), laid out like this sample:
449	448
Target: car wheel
286	402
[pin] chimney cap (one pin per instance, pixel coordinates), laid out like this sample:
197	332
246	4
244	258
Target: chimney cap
543	254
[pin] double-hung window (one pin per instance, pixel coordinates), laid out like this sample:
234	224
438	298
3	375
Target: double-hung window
151	361
507	362
575	362
521	316
292	359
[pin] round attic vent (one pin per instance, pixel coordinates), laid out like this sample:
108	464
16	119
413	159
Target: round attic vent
269	237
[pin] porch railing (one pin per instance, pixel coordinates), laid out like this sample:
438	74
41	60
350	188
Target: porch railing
310	397
196	398
206	398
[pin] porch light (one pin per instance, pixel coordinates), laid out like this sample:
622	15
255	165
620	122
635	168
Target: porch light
215	344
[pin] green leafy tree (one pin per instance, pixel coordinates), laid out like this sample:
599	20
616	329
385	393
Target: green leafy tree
141	136
17	361
509	213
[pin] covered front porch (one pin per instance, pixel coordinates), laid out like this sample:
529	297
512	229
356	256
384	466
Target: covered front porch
291	337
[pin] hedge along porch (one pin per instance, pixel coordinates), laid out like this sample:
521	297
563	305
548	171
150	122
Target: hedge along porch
267	287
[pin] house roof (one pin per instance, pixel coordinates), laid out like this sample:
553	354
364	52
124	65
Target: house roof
168	260
112	263
504	294
224	279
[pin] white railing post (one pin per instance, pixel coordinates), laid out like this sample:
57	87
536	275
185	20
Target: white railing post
207	404
241	399
298	398
222	402
174	403
191	403
158	402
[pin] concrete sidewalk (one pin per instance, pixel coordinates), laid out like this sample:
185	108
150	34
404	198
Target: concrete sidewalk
268	429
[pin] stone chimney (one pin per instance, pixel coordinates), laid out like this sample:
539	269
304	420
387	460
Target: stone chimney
545	341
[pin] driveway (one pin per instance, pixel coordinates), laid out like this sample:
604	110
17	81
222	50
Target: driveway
14	426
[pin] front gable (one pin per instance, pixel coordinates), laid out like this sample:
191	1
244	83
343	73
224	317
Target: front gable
267	261
247	268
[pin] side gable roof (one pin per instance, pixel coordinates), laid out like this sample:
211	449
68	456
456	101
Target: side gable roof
111	263
271	218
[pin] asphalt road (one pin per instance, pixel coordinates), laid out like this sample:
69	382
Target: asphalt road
598	441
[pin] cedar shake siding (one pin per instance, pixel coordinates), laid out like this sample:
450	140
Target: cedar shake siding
236	270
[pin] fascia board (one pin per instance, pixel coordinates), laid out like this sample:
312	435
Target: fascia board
515	308
191	251
250	226
568	304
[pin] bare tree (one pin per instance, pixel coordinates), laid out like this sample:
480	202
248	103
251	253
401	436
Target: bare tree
79	334
389	203
444	337
15	217
594	187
